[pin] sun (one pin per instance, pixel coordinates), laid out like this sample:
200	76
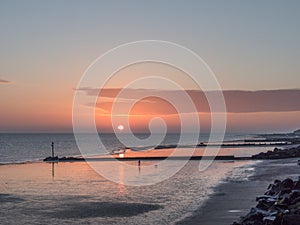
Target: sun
120	127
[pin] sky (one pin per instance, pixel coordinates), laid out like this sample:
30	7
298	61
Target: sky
45	47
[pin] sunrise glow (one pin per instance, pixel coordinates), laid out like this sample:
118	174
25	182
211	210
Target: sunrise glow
120	127
135	112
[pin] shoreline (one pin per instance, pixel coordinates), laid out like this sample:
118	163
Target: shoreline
45	193
234	198
231	198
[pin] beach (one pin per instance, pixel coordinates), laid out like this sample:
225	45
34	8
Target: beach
235	197
73	193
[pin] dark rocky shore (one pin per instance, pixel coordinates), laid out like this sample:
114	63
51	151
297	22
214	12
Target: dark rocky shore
280	205
151	158
278	153
235	197
63	159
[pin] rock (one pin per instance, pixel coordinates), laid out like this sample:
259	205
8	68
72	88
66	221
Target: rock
255	217
294	197
278	208
279	205
263	197
291	220
277	150
295	201
265	204
284	202
297	185
279	154
288	183
295	208
51	159
285	191
269	219
276	187
62	159
270	193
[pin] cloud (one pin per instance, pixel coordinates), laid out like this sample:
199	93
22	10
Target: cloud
5	81
237	101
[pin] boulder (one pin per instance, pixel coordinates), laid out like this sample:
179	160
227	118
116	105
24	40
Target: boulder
288	183
254	216
51	159
291	220
279	205
297	185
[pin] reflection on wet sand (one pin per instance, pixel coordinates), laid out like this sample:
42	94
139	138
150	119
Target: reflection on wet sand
73	193
121	186
52	170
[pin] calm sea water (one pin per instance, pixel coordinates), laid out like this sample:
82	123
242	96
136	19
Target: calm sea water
73	193
16	148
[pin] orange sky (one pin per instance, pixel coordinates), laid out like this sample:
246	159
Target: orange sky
247	111
260	111
46	46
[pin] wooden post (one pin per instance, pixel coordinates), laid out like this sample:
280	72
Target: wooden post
52	145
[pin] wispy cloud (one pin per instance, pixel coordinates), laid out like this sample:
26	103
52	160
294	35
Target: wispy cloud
237	101
5	81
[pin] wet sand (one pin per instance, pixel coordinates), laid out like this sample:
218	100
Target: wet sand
73	193
234	198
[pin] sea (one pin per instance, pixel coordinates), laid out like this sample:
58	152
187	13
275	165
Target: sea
29	147
35	192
